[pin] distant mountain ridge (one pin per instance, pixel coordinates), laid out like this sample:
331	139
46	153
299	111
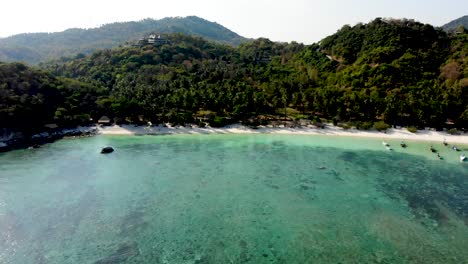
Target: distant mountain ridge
452	25
39	47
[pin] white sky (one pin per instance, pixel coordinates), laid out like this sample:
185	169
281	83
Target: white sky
288	20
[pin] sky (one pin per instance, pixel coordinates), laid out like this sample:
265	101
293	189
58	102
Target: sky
305	21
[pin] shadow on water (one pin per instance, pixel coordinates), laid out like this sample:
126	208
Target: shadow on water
425	185
121	255
133	223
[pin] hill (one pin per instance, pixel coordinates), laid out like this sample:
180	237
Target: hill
384	40
39	47
452	25
405	64
398	72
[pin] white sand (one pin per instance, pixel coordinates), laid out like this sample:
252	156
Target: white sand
403	134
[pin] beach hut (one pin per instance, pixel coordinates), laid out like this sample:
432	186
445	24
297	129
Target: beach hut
104	120
51	126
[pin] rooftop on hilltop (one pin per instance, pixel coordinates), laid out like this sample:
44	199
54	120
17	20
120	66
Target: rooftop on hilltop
153	39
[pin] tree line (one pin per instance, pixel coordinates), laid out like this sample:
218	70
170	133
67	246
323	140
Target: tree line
400	72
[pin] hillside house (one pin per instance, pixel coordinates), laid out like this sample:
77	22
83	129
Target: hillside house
152	39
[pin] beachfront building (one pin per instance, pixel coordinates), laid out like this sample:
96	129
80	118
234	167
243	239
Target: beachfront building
105	121
51	126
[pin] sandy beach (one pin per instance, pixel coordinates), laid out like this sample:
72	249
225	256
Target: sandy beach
400	133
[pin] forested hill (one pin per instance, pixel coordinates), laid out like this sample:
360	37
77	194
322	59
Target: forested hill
398	72
39	47
452	25
30	98
384	40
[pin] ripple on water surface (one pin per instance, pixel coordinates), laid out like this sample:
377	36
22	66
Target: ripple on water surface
231	199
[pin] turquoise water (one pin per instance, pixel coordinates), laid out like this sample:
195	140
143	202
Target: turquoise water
233	199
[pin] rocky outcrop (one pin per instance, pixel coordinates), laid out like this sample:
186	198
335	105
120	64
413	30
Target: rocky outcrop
4	147
107	150
16	140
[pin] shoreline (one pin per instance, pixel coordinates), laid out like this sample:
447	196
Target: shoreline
393	133
17	140
35	141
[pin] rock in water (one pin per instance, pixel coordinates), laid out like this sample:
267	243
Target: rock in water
107	150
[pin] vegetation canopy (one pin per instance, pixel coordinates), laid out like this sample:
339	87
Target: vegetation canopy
397	72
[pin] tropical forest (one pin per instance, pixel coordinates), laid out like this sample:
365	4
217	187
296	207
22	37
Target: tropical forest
388	72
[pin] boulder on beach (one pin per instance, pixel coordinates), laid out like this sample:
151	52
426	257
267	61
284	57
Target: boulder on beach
106	150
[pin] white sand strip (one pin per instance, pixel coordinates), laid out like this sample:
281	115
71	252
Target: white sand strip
403	134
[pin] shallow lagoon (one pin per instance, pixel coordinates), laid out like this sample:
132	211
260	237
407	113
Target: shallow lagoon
233	199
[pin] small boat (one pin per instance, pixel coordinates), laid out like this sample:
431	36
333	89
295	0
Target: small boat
462	157
107	150
440	157
433	150
455	148
403	144
385	143
388	148
445	142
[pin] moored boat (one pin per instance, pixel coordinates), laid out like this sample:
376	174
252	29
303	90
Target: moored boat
463	158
